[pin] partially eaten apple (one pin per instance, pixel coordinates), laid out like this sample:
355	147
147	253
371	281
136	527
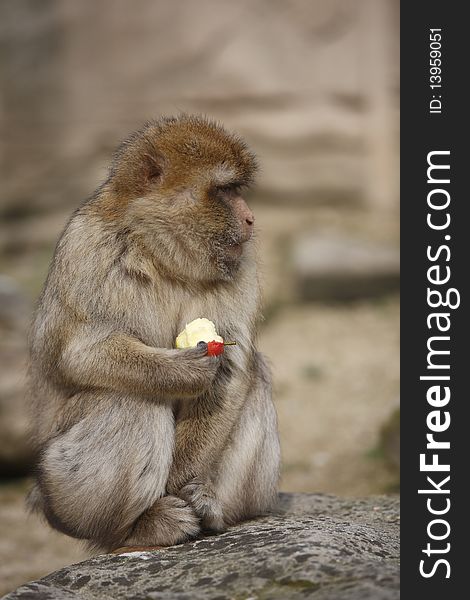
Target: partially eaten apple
202	330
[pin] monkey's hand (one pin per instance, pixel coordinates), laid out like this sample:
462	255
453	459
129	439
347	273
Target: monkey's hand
201	496
196	358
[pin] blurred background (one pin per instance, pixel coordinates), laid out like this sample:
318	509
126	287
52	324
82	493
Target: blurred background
313	86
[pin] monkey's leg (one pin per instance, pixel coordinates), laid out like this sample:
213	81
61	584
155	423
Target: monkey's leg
203	429
248	474
103	479
228	450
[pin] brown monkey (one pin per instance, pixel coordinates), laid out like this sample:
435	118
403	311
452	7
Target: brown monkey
140	443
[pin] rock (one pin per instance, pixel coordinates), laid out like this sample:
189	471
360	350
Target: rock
313	546
15	453
323	125
332	267
14	308
390	441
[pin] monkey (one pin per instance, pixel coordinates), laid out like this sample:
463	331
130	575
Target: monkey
140	443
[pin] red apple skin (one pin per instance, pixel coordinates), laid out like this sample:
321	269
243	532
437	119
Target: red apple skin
215	348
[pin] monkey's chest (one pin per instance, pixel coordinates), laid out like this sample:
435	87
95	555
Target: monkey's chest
217	308
162	319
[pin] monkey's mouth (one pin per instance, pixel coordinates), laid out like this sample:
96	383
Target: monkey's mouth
235	250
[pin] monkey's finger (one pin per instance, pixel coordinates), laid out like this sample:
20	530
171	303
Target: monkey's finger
197	352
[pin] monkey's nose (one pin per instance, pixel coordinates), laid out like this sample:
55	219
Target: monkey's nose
249	216
248	228
244	216
248	225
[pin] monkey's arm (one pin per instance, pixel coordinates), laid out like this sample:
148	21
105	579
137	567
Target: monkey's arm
203	428
121	362
203	434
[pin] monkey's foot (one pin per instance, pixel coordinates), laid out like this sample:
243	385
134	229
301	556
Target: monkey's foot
168	522
202	498
127	549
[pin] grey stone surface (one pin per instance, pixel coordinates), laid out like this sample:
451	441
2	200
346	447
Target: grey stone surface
313	546
15	454
334	267
14	306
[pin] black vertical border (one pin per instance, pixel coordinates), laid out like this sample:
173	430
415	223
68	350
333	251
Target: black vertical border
421	133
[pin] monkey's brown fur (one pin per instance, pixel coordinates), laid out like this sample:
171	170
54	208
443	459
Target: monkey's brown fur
140	443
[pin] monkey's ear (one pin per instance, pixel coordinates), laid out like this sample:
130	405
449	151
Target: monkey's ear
152	168
136	169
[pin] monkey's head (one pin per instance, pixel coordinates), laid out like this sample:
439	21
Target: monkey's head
177	184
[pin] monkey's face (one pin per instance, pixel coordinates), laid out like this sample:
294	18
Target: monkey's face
212	228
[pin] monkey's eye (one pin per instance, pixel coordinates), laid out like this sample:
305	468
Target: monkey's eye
230	190
219	192
223	189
